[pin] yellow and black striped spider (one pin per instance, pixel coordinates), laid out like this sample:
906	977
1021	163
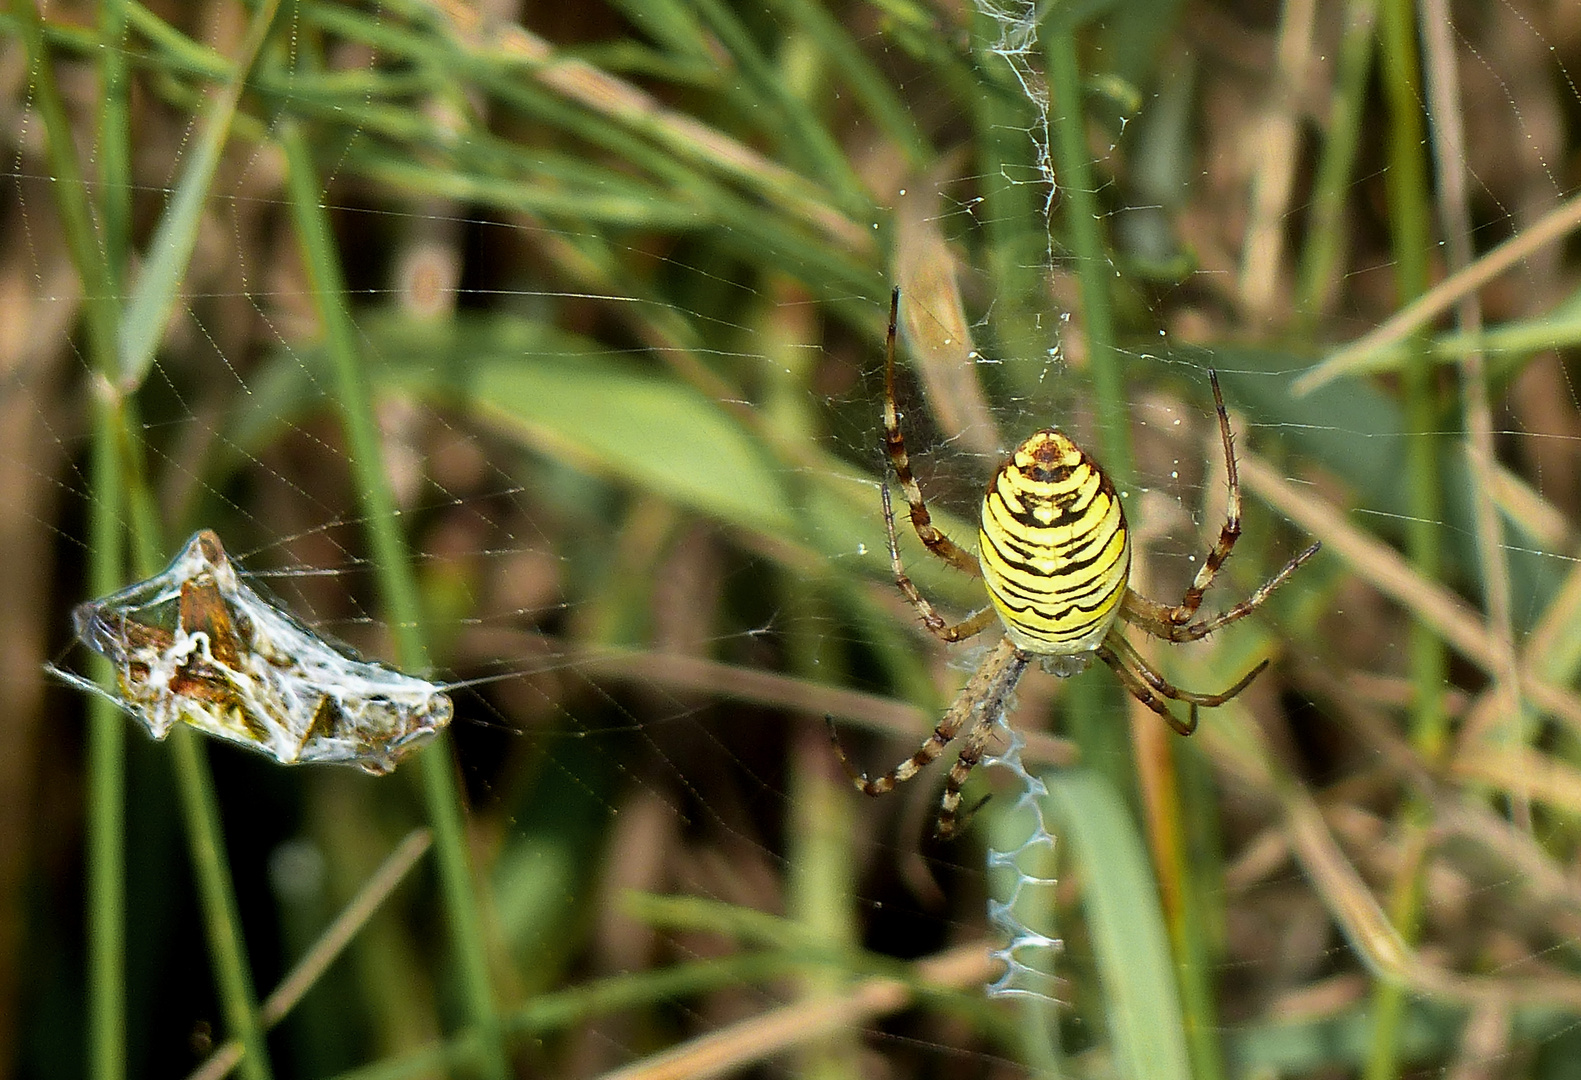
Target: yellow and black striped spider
1055	554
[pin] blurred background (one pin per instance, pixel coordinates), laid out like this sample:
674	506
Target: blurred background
540	349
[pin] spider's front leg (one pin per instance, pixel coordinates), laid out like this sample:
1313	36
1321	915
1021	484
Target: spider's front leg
1229	532
895	446
1155	618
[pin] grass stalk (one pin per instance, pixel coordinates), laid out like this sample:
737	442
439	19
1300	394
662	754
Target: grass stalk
106	781
1322	255
117	468
548	1013
1156	761
397	584
114	145
69	189
807	142
1078	196
820	893
310	967
1130	946
866	83
1449	152
1091	704
1015	191
200	808
1180	891
148	309
195	789
1410	214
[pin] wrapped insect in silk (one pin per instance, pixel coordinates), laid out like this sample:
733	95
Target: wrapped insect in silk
194	645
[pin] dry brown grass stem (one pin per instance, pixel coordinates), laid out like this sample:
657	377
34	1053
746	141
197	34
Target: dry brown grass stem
1556	225
695	674
1449	150
1375	562
1523	771
1525	507
325	950
1278	137
938	337
809	1021
1239	747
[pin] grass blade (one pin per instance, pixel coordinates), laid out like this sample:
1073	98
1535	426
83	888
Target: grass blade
1135	967
397	584
148	311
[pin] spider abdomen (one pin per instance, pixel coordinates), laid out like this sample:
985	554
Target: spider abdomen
1054	547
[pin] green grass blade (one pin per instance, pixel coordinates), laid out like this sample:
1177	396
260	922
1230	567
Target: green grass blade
153	299
1410	219
69	188
1094	273
546	1014
853	67
807	140
1015	194
195	788
213	872
1136	969
106	782
114	144
1321	256
1078	196
671	23
397	584
694	453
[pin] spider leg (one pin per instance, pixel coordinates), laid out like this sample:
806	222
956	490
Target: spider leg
895	446
961	820
1173	623
930	750
1003	671
981	701
1154	618
1149	687
1182	613
1139	690
973	624
1137	663
1229	532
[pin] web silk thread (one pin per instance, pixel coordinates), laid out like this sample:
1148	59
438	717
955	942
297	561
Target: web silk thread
1021	900
1017	22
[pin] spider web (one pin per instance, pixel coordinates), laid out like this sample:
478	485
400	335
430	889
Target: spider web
629	370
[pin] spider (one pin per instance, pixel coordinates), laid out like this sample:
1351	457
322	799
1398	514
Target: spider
1054	552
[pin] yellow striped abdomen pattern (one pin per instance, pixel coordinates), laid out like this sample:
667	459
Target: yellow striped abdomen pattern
1054	547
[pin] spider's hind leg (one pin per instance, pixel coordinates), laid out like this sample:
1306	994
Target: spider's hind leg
1151	688
981	703
881	785
1143	693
